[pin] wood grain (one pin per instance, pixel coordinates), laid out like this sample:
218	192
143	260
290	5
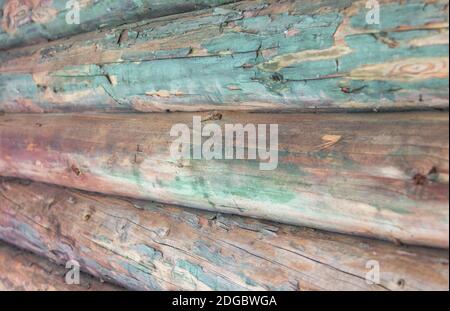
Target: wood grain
150	246
252	55
23	271
25	22
376	175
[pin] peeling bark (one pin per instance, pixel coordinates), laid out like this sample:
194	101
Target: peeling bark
23	271
376	175
150	246
26	22
263	55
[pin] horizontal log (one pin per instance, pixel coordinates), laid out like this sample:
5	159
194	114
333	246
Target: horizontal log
264	55
377	175
149	246
32	21
23	271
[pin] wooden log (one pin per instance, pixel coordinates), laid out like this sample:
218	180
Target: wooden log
32	21
23	271
149	246
377	175
264	55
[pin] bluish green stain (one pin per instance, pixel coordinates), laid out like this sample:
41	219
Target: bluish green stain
234	43
214	281
412	34
210	79
408	13
17	86
259	188
30	235
98	15
211	253
148	252
248	280
367	50
142	274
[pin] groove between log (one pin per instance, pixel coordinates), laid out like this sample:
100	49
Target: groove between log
23	271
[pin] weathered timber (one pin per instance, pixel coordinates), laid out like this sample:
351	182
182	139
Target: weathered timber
149	246
32	21
252	55
380	175
23	271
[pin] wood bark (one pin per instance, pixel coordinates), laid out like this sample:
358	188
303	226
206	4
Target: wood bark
150	246
23	271
377	175
25	22
252	55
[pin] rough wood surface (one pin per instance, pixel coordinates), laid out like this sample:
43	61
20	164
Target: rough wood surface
31	21
253	55
378	175
148	246
23	271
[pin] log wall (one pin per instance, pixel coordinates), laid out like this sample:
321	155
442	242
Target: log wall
150	246
24	22
377	175
252	55
361	145
23	271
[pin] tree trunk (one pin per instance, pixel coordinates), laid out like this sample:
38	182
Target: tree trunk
265	55
149	246
27	22
377	175
23	271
